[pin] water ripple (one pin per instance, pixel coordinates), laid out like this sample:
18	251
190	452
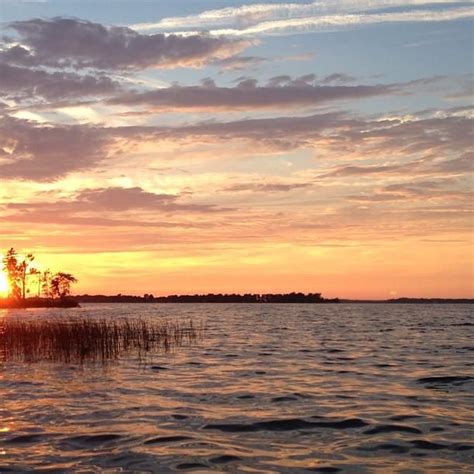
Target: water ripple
270	388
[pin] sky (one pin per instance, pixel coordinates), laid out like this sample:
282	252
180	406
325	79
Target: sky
200	146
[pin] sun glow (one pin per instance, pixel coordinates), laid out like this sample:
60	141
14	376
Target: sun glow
3	284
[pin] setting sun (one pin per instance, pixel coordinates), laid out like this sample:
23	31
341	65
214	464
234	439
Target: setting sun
3	284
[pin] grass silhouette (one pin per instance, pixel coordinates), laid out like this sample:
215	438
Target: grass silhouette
80	339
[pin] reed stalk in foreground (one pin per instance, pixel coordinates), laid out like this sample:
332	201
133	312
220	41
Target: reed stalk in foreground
79	340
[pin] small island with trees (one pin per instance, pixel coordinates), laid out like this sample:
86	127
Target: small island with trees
29	287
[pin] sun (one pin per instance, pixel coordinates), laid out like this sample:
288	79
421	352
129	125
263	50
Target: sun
4	287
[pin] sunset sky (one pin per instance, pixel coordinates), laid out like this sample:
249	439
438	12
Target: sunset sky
202	146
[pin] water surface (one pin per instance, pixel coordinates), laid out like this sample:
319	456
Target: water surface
270	388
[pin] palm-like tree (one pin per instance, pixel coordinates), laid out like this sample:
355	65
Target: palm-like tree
18	271
61	284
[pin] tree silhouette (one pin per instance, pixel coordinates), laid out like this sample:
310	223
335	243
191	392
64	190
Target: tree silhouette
22	277
45	284
10	266
17	273
61	284
24	271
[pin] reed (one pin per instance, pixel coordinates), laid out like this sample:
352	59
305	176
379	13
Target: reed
80	339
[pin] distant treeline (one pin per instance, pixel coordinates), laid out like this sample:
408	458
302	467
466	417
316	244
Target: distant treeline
210	298
414	301
432	300
256	298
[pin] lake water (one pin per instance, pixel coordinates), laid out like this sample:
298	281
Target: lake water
270	388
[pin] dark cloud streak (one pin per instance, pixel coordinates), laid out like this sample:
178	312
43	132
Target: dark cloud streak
248	95
25	83
111	200
68	42
44	153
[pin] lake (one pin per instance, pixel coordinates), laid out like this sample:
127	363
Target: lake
269	388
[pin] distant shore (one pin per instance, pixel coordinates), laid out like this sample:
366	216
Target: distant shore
210	298
289	298
8	303
311	298
414	301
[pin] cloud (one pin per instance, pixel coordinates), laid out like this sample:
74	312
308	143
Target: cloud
340	134
251	14
56	216
25	83
42	152
464	88
285	80
122	199
353	171
464	163
266	187
338	78
66	42
39	152
248	95
238	62
114	200
454	166
430	135
280	133
289	18
416	191
428	146
332	22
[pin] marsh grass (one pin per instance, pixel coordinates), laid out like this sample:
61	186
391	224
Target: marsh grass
81	340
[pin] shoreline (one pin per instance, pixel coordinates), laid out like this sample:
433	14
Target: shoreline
259	299
38	303
75	302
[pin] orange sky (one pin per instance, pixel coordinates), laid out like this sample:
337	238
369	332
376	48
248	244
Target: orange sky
244	159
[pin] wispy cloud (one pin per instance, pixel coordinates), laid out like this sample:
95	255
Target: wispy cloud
287	18
441	190
331	22
457	166
239	62
251	62
270	187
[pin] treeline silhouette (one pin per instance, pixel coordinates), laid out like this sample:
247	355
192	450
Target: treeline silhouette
210	298
431	300
256	298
